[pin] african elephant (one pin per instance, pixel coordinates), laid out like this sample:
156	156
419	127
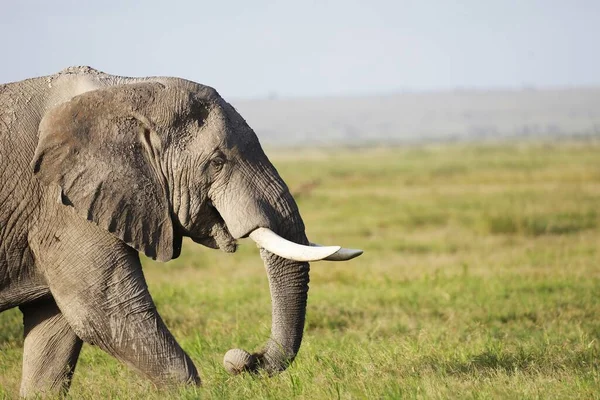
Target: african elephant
96	168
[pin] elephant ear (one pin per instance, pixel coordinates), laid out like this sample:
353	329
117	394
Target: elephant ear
104	154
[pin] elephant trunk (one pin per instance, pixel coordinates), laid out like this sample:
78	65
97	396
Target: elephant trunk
288	283
272	220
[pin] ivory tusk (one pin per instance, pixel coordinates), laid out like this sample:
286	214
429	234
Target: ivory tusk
274	243
343	254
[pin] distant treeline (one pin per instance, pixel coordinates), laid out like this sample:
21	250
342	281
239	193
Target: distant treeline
416	117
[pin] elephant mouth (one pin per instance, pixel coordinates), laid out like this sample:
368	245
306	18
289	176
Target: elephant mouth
214	234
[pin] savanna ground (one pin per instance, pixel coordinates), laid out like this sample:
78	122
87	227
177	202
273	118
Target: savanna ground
480	279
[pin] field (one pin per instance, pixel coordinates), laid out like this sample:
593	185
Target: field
480	279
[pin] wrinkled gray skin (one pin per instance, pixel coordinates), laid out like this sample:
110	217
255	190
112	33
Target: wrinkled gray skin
95	168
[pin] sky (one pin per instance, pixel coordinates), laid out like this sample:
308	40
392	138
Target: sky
261	48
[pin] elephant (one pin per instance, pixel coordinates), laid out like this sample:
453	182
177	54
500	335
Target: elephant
97	168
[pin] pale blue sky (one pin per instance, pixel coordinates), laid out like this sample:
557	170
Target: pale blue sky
306	48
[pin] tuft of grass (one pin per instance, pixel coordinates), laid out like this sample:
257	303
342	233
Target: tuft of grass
480	279
563	223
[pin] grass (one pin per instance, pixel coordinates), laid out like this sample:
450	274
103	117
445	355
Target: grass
480	279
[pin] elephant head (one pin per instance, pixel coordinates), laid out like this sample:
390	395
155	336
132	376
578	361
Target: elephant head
154	161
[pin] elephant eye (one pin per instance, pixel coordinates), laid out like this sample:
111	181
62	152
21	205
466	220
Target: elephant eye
217	163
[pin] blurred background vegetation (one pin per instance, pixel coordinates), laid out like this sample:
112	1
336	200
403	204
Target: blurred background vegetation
480	279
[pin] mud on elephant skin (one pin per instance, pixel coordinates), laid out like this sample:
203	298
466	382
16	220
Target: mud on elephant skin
96	168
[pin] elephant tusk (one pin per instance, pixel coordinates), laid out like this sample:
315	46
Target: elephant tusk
343	254
274	243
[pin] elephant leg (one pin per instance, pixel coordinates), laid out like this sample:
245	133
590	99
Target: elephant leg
98	284
50	352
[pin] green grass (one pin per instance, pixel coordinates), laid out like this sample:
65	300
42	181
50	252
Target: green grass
480	279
